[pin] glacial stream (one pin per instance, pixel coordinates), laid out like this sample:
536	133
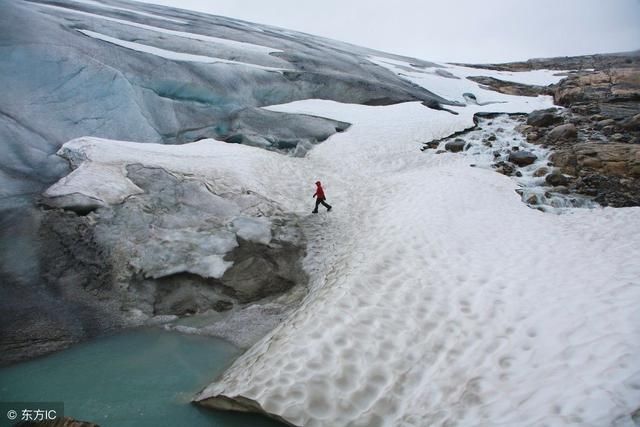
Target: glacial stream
144	377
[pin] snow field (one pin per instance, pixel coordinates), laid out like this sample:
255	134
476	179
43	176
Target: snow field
439	298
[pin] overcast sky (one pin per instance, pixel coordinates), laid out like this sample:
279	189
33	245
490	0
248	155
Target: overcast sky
450	30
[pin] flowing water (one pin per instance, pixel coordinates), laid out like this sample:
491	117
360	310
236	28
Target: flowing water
144	377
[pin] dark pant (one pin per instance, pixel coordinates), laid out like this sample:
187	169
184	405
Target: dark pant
321	201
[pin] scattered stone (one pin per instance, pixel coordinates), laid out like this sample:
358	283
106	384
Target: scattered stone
563	132
544	118
604	123
455	146
505	168
532	200
556	179
541	172
533	136
522	128
432	145
492	137
522	158
632	123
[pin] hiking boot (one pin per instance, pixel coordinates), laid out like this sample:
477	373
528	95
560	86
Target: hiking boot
314	211
329	208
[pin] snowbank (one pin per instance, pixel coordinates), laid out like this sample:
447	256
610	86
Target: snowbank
438	297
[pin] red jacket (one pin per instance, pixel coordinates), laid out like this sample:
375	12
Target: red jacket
319	191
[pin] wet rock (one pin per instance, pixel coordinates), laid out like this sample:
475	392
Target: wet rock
556	179
532	200
431	145
522	158
632	123
604	123
522	128
455	146
611	190
541	172
532	136
505	168
544	118
563	132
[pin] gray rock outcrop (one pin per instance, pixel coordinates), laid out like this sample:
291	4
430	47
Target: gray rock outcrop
544	118
596	136
174	247
563	132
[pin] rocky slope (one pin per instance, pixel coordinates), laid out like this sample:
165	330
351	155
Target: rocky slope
596	137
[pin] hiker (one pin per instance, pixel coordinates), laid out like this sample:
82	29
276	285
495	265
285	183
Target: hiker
320	198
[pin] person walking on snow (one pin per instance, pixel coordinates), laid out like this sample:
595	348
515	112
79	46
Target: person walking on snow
320	198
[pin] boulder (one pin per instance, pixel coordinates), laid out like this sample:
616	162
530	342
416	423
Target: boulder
522	158
532	136
541	172
604	123
456	145
544	118
431	145
632	123
563	132
556	179
505	168
532	200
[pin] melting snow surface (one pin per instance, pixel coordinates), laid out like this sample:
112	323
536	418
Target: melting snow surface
124	9
234	44
436	296
170	54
